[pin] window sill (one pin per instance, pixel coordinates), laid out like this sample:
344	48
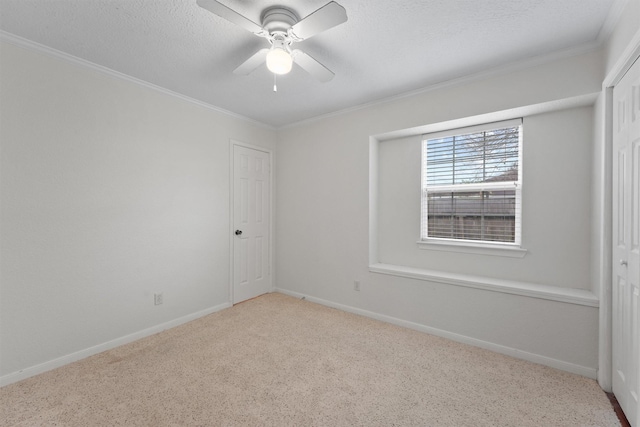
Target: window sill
525	289
467	247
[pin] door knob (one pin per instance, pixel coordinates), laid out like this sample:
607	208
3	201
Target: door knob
238	232
623	262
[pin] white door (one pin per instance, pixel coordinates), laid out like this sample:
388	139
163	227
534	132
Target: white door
252	223
626	243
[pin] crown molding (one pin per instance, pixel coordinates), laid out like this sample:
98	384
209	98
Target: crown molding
615	13
492	72
31	45
612	19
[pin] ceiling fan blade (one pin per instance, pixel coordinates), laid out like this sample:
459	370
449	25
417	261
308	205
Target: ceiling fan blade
230	15
328	16
252	63
312	66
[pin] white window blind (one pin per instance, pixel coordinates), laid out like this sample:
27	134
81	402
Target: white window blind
471	183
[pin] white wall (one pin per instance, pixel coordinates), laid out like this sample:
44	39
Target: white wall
110	192
323	208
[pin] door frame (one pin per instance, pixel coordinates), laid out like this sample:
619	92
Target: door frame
232	144
622	65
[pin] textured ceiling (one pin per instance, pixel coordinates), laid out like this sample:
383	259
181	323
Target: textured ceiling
386	48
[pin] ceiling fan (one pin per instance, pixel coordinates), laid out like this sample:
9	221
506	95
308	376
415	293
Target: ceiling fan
282	27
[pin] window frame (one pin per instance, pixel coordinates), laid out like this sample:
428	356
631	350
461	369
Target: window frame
511	249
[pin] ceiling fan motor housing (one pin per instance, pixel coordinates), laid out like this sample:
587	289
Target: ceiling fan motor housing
278	19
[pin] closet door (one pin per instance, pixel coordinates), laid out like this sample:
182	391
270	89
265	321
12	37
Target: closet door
626	243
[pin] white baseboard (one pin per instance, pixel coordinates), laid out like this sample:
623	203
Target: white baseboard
69	358
531	357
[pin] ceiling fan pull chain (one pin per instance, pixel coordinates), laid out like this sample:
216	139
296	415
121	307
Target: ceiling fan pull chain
275	86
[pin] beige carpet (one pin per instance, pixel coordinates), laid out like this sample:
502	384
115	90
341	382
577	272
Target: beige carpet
280	361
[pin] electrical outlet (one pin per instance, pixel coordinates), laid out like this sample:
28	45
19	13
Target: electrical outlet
157	299
356	285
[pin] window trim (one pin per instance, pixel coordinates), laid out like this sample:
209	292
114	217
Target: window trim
511	249
582	297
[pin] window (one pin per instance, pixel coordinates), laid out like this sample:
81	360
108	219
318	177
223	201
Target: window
472	184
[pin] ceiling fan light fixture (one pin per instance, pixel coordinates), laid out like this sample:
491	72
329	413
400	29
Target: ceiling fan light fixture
279	61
